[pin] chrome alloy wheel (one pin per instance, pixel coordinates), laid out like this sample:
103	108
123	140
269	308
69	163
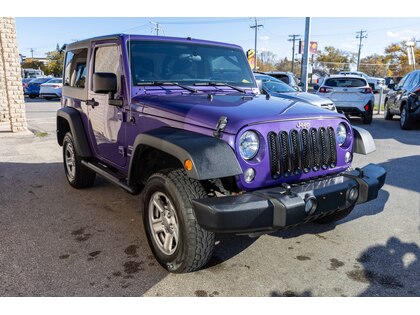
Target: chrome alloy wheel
163	223
70	161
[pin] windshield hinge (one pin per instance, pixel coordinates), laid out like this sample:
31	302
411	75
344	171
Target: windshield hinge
220	126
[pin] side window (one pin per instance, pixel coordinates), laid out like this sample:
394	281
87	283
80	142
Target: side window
107	59
403	80
74	60
413	81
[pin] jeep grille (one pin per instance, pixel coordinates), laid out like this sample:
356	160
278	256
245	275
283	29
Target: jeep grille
293	152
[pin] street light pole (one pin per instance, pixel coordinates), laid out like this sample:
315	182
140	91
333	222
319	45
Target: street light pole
304	76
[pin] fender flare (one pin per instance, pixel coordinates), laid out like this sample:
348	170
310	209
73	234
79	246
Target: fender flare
74	120
363	141
211	157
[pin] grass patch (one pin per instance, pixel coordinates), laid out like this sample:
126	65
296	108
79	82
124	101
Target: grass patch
41	134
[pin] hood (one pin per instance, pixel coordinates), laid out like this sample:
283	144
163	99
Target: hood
304	97
240	110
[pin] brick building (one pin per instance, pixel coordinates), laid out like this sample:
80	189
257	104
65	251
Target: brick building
12	104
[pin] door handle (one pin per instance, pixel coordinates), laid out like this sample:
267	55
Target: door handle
92	102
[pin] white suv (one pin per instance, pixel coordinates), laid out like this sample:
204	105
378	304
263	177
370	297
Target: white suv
375	83
351	95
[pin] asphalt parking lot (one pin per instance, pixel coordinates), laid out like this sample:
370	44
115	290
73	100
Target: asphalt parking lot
58	241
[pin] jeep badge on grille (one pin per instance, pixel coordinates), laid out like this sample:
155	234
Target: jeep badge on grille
303	125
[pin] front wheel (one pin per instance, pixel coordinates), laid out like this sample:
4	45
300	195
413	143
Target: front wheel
177	241
404	118
336	216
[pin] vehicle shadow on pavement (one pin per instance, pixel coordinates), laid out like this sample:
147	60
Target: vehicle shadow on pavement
392	269
60	241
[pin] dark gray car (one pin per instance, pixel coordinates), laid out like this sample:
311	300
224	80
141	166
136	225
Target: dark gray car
277	88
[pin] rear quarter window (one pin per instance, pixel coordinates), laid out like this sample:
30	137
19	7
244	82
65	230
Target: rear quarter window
345	82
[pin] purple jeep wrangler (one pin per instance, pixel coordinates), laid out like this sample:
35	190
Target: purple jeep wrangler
181	121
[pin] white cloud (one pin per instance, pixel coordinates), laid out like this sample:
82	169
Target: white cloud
264	37
392	34
402	35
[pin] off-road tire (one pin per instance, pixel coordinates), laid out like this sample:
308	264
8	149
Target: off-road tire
387	114
82	177
194	245
336	216
404	118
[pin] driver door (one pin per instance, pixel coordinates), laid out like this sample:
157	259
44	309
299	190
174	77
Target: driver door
106	125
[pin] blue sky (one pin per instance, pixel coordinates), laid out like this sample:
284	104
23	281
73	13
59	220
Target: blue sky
42	34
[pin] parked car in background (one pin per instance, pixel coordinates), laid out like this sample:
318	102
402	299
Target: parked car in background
404	99
25	82
351	95
51	89
287	77
375	83
277	88
32	90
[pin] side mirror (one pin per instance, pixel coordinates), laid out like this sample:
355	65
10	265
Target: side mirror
391	86
104	82
316	87
300	84
260	85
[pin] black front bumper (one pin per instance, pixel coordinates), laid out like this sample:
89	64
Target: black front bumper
281	207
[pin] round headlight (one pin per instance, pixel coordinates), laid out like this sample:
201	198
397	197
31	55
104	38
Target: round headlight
249	144
341	134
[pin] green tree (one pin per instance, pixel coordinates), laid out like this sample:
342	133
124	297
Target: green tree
30	63
374	65
55	63
284	65
397	57
335	59
267	61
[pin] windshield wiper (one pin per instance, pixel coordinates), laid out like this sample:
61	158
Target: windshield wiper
161	83
220	84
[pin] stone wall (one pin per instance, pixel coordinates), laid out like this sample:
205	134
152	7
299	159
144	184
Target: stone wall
12	103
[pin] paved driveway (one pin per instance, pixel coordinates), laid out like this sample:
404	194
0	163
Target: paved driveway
58	241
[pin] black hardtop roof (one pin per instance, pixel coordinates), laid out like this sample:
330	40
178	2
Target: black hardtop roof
87	42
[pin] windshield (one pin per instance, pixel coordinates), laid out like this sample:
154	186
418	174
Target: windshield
188	63
277	87
345	82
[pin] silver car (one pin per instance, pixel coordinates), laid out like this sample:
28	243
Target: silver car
351	94
277	88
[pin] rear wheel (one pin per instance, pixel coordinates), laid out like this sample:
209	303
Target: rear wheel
78	175
387	114
404	118
336	216
177	241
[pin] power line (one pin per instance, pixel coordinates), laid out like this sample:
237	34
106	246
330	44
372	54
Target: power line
293	38
255	27
360	35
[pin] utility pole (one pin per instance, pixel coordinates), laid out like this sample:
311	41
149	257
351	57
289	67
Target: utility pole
305	59
360	35
255	27
156	28
293	38
32	53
